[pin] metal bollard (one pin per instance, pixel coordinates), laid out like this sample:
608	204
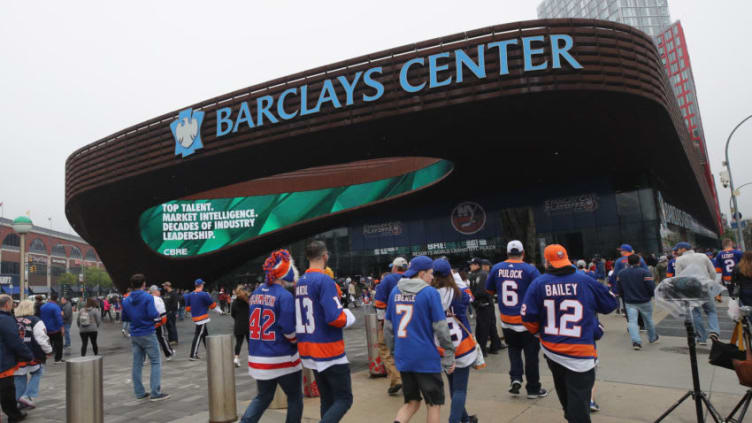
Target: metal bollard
220	371
375	365
83	390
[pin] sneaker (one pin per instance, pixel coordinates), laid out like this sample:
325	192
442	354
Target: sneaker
160	397
144	396
27	402
542	393
122	331
515	389
472	419
194	358
705	342
656	340
594	406
643	330
18	418
393	390
713	336
61	361
494	352
236	362
168	358
636	346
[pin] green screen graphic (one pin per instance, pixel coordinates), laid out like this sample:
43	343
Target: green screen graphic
193	227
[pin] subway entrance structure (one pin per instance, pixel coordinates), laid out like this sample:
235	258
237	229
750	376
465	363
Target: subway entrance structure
547	131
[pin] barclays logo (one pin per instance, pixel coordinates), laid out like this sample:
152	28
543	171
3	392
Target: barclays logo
186	130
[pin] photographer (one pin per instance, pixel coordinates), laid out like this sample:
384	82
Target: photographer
688	257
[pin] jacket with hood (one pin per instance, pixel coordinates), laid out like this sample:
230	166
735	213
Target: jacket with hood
139	309
414	317
12	347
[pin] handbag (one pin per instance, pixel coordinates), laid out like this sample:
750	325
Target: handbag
480	362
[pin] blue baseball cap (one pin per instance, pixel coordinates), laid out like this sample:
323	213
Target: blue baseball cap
626	247
418	264
199	281
442	267
684	245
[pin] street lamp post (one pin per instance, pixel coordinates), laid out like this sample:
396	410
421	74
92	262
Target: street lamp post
739	236
22	225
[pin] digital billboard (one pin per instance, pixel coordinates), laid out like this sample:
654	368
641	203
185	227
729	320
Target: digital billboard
184	228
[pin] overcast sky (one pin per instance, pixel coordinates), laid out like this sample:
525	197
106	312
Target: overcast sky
75	72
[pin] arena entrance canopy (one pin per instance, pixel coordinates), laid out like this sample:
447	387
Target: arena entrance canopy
198	191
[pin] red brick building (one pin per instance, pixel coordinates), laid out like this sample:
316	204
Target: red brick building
49	254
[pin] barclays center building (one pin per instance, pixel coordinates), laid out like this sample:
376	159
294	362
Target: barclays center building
533	130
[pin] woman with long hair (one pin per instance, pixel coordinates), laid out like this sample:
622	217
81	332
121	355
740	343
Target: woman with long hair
741	279
89	319
34	335
455	301
239	313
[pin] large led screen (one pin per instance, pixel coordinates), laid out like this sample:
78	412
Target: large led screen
185	228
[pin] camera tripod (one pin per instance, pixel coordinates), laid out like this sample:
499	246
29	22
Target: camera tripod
696	393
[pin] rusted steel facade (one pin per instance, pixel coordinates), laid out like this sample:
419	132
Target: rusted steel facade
615	115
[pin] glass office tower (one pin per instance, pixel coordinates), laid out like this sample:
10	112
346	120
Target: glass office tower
649	16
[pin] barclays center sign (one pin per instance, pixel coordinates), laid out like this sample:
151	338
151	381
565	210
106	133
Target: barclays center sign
297	101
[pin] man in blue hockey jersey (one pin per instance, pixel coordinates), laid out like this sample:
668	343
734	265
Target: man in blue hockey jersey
320	322
510	280
562	306
726	261
198	303
272	351
414	318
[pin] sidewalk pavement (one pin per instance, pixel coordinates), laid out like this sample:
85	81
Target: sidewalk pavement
632	386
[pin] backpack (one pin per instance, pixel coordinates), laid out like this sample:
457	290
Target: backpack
83	317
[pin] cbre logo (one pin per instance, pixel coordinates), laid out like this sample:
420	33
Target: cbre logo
186	130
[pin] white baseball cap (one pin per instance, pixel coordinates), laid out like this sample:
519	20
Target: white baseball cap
515	247
399	262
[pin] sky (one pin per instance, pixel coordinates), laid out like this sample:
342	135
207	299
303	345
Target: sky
76	72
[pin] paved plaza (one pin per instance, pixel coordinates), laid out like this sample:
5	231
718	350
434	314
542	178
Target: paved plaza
632	386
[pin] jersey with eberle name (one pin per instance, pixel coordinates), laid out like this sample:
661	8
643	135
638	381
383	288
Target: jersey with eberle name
412	317
319	319
563	311
510	280
272	349
725	262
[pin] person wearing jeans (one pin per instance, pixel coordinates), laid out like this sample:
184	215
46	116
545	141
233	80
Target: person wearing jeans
34	336
67	320
140	311
636	286
335	389
52	316
273	356
291	385
688	258
714	328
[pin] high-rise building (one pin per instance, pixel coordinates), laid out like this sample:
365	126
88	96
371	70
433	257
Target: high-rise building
649	16
672	45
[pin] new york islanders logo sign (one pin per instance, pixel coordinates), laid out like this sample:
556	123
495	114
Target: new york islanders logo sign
468	218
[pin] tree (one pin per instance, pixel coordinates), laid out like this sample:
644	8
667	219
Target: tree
67	279
94	276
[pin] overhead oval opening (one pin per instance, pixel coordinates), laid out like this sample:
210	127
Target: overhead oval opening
219	218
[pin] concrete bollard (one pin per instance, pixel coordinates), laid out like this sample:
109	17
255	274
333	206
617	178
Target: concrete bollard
310	388
83	390
375	365
220	371
279	401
